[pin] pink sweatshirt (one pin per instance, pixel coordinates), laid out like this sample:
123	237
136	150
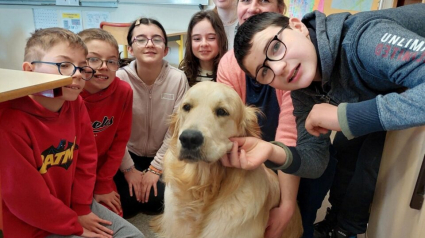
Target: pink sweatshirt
231	74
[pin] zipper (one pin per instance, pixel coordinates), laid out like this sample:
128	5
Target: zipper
148	121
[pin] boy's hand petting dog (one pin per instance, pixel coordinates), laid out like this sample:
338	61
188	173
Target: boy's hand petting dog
322	118
149	181
112	200
247	153
91	222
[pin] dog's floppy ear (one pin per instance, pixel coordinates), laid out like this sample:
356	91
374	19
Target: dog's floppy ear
250	122
174	128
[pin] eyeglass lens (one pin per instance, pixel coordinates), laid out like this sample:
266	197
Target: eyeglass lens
143	40
66	68
275	51
97	63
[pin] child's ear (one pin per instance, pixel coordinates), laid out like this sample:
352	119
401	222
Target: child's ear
130	50
27	66
296	24
166	51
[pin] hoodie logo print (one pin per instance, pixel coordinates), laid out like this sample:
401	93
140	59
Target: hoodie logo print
400	48
103	125
61	156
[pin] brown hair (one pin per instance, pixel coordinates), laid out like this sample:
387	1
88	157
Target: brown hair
42	40
145	21
190	64
280	4
98	34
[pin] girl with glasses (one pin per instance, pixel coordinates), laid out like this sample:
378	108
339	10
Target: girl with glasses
157	88
206	43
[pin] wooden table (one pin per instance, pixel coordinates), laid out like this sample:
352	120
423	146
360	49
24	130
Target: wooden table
17	83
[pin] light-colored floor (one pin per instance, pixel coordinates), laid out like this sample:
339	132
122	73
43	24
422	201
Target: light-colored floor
141	220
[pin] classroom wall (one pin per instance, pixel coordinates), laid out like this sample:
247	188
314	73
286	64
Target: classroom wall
17	22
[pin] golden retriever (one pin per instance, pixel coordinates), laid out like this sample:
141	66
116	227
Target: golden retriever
204	199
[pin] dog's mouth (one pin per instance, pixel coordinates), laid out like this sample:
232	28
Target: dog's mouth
191	156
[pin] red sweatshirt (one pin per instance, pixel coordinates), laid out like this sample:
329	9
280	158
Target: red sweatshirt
47	168
110	112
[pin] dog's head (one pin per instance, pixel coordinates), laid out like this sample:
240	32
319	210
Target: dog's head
209	114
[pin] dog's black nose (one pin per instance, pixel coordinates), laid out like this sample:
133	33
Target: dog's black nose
191	139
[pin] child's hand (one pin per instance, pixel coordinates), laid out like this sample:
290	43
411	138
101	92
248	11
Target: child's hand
112	200
149	180
93	223
247	153
322	118
279	218
134	180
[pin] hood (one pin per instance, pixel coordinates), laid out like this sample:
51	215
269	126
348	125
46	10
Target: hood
28	105
328	38
99	96
131	70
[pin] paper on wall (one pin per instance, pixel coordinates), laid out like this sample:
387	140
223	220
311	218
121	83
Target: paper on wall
93	19
71	20
45	18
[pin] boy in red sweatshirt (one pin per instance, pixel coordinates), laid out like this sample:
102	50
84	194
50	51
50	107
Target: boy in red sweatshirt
48	152
109	102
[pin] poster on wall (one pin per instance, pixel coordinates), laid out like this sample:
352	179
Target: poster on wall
72	21
92	19
45	18
298	8
358	5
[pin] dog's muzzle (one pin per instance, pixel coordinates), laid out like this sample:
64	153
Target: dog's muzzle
191	139
191	142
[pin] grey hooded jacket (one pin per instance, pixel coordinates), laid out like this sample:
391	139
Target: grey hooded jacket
373	68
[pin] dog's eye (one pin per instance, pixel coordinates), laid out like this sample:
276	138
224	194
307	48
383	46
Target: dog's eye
186	107
221	112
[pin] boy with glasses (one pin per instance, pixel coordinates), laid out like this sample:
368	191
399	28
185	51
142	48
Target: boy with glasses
109	102
360	74
278	124
48	162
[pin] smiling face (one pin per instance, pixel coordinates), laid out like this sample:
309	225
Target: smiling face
248	8
205	43
62	52
298	68
103	77
149	53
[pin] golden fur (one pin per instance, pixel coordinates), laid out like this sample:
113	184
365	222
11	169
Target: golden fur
204	199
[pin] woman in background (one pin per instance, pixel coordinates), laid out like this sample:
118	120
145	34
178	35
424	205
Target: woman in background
226	10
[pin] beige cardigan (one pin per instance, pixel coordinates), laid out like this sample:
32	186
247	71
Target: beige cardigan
152	107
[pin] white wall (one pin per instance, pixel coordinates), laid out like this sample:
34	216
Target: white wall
17	22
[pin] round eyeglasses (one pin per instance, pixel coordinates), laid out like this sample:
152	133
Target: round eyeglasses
142	40
69	69
275	51
96	63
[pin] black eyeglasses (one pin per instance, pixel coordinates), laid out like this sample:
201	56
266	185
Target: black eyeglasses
275	51
143	41
96	63
69	69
